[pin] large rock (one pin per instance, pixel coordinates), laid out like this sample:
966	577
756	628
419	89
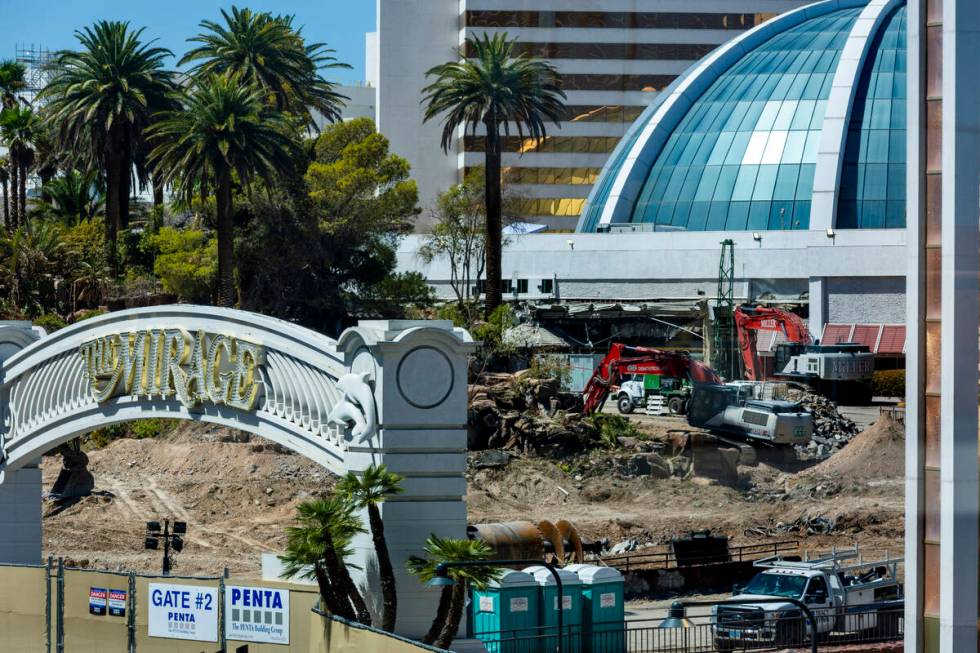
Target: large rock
659	468
717	463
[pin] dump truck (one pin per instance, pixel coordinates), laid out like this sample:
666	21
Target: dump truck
845	594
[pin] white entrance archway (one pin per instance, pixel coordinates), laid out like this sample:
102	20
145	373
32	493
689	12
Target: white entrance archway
391	392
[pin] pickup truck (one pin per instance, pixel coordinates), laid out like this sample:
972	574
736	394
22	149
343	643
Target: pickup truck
845	594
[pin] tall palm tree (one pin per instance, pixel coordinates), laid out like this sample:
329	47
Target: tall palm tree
496	89
19	126
449	613
317	548
5	183
101	99
368	490
269	52
12	81
224	133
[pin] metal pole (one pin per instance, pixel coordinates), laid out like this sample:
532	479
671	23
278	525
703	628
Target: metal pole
60	610
47	606
561	605
166	547
131	613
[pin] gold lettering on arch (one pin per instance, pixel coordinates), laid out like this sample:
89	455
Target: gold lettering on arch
165	363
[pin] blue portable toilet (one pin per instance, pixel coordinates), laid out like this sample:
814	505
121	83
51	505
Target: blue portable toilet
571	608
603	610
506	615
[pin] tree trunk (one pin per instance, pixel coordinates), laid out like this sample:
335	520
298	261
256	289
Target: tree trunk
204	190
23	194
46	175
226	242
15	214
335	568
442	612
125	188
328	592
6	205
157	189
341	577
386	571
494	221
454	617
113	189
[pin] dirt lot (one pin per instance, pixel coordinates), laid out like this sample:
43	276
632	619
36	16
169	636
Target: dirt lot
238	494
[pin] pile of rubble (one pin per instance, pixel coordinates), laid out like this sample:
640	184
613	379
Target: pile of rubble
526	413
831	430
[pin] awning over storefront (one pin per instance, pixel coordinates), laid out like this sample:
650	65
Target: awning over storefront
882	339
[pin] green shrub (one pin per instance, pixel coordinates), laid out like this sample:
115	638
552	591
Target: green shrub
149	428
187	262
100	438
612	427
491	332
92	312
50	322
888	383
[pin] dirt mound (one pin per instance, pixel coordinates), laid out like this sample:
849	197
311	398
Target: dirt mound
876	453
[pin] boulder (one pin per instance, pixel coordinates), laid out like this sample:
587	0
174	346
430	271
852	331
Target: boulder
659	468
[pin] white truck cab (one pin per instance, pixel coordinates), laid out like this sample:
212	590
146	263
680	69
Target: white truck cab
842	591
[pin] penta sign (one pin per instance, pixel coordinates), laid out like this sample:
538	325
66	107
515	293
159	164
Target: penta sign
171	362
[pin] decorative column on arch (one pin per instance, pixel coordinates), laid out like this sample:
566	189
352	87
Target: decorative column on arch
418	371
20	491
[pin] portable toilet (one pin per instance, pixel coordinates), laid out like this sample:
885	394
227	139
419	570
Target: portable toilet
507	613
571	609
603	610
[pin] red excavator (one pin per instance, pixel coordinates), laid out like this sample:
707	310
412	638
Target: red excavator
623	360
840	369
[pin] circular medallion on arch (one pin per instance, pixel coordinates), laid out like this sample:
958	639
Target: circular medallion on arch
425	377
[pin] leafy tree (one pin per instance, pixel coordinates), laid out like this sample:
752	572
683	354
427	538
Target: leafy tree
30	258
18	127
317	247
449	612
12	81
496	89
100	101
185	263
73	197
367	491
224	132
5	183
316	549
270	53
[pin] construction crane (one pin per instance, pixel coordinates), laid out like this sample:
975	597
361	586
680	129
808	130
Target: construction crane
724	330
840	371
623	359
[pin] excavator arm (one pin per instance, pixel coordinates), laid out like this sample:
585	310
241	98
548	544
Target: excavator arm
623	359
749	320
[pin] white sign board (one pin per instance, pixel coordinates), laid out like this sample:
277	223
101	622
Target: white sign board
607	600
486	604
257	614
518	604
566	603
183	612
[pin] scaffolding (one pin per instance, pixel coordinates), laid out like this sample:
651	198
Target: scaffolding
725	360
37	63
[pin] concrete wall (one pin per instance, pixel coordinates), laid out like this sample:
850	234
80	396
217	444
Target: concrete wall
20	516
853	300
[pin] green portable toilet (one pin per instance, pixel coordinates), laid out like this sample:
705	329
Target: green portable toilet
603	611
571	609
505	616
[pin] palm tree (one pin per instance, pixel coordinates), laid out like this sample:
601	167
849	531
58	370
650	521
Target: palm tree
224	132
496	89
449	613
18	126
317	548
269	52
5	182
12	81
367	491
100	100
73	197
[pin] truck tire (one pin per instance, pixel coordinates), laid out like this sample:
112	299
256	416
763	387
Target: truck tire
624	404
677	406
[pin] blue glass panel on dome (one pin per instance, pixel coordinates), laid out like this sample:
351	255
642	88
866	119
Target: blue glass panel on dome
743	156
873	174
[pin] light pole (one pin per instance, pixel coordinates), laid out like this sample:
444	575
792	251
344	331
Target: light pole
171	539
442	579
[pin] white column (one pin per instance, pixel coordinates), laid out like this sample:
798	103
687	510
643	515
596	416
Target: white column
818	306
420	377
961	320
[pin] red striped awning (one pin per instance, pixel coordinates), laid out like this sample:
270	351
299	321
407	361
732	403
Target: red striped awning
879	338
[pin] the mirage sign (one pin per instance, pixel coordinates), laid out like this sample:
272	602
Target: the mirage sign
172	362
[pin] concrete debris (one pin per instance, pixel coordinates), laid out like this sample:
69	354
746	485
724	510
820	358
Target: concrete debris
831	430
625	546
490	459
818	525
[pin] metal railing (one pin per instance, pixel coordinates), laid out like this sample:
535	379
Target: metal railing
667	560
748	631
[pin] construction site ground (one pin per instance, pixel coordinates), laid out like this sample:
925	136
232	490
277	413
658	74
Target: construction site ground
239	493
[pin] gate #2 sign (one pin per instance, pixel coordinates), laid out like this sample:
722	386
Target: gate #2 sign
257	614
183	612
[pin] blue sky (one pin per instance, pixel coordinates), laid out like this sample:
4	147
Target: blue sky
51	23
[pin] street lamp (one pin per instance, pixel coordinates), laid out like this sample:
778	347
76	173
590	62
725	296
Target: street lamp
676	619
172	539
442	579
